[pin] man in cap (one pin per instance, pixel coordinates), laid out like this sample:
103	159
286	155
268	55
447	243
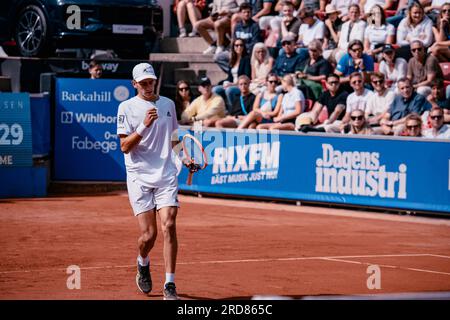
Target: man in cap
145	124
288	61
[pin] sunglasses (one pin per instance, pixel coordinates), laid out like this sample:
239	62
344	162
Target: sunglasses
416	49
286	43
356	49
357	117
389	52
272	81
435	117
313	50
410	127
356	81
183	89
238	45
332	83
446	11
377	81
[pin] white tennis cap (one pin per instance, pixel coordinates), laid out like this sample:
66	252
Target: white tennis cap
143	71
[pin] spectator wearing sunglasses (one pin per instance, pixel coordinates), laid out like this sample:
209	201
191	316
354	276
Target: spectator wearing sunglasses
438	99
379	102
438	129
422	69
354	61
288	61
393	67
183	97
358	123
408	101
413	125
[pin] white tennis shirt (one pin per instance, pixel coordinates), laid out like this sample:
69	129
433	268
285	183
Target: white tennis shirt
150	162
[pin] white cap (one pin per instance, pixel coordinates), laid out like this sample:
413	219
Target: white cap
143	71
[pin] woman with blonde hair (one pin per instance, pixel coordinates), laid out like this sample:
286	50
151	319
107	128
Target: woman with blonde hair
261	64
358	123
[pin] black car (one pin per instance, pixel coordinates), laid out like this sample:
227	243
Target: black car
38	27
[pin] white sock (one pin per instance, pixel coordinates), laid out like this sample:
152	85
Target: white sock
170	277
143	261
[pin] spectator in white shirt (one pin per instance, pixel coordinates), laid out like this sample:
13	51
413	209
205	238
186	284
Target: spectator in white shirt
438	129
343	6
378	32
379	102
394	68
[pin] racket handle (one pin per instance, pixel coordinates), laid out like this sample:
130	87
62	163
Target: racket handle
189	178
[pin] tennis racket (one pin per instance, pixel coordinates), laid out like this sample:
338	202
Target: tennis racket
195	156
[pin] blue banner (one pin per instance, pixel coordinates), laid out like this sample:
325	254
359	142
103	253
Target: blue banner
15	130
86	144
375	172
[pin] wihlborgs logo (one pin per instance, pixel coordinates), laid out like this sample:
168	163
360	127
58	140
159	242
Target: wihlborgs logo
67	117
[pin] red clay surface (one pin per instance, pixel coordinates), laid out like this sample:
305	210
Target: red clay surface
227	249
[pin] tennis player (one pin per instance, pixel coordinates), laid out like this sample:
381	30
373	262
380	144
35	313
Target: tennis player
145	128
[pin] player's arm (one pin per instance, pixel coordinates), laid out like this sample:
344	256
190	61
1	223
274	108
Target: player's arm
128	142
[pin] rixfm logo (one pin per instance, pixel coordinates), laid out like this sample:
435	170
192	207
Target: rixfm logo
67	117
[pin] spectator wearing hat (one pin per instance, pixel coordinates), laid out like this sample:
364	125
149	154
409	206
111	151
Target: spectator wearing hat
353	29
438	129
354	61
408	101
289	60
342	6
378	32
333	24
208	107
423	68
415	26
393	67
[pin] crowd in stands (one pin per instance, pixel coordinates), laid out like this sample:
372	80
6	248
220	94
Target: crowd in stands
340	66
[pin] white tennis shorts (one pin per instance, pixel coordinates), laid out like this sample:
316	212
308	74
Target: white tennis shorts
143	198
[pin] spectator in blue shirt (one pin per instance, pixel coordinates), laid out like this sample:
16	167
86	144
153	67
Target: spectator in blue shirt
407	102
289	61
354	61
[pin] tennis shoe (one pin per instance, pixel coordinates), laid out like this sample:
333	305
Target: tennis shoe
144	279
170	291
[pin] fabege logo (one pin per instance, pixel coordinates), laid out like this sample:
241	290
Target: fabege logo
121	93
67	117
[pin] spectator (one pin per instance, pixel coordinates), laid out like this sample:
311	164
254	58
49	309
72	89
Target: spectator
220	22
313	5
379	102
241	107
239	65
333	24
315	69
400	13
438	99
356	100
393	67
367	5
261	64
440	49
354	61
95	70
422	69
333	100
353	29
433	8
264	11
413	125
378	32
343	6
408	101
292	104
289	61
265	106
358	123
415	26
311	29
208	108
247	30
183	97
438	129
191	9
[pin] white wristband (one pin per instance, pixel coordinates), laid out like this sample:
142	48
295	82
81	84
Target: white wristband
141	129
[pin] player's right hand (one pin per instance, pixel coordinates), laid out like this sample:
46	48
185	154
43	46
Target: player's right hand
150	117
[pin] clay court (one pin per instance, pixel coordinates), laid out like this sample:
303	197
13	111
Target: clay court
228	249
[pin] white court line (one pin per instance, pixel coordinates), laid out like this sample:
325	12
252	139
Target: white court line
387	266
245	260
439	256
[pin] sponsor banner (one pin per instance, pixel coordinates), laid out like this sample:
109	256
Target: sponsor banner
391	173
15	130
86	144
